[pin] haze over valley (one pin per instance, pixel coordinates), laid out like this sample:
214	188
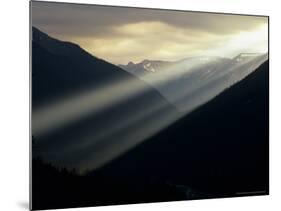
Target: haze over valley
145	105
128	102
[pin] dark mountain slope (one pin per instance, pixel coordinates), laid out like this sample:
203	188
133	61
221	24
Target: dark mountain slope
61	68
88	139
220	149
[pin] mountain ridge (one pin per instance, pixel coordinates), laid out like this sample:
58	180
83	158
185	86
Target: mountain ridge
193	81
214	149
75	96
56	55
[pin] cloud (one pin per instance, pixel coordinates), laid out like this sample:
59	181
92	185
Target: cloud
120	34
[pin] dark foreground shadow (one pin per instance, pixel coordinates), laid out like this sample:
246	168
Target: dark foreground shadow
219	150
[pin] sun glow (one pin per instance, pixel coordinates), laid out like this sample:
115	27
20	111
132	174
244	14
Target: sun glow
161	41
255	41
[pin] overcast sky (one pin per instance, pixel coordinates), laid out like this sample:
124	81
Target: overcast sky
120	35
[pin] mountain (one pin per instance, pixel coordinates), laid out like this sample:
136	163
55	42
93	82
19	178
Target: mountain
103	136
242	57
146	66
219	150
86	111
60	68
191	82
149	67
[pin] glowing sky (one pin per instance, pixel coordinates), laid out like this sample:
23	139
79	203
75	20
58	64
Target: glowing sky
120	35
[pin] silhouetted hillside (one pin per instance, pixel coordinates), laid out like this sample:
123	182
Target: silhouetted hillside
125	104
61	68
219	150
54	188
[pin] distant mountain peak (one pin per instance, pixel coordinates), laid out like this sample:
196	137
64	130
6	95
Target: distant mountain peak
145	61
245	56
248	54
